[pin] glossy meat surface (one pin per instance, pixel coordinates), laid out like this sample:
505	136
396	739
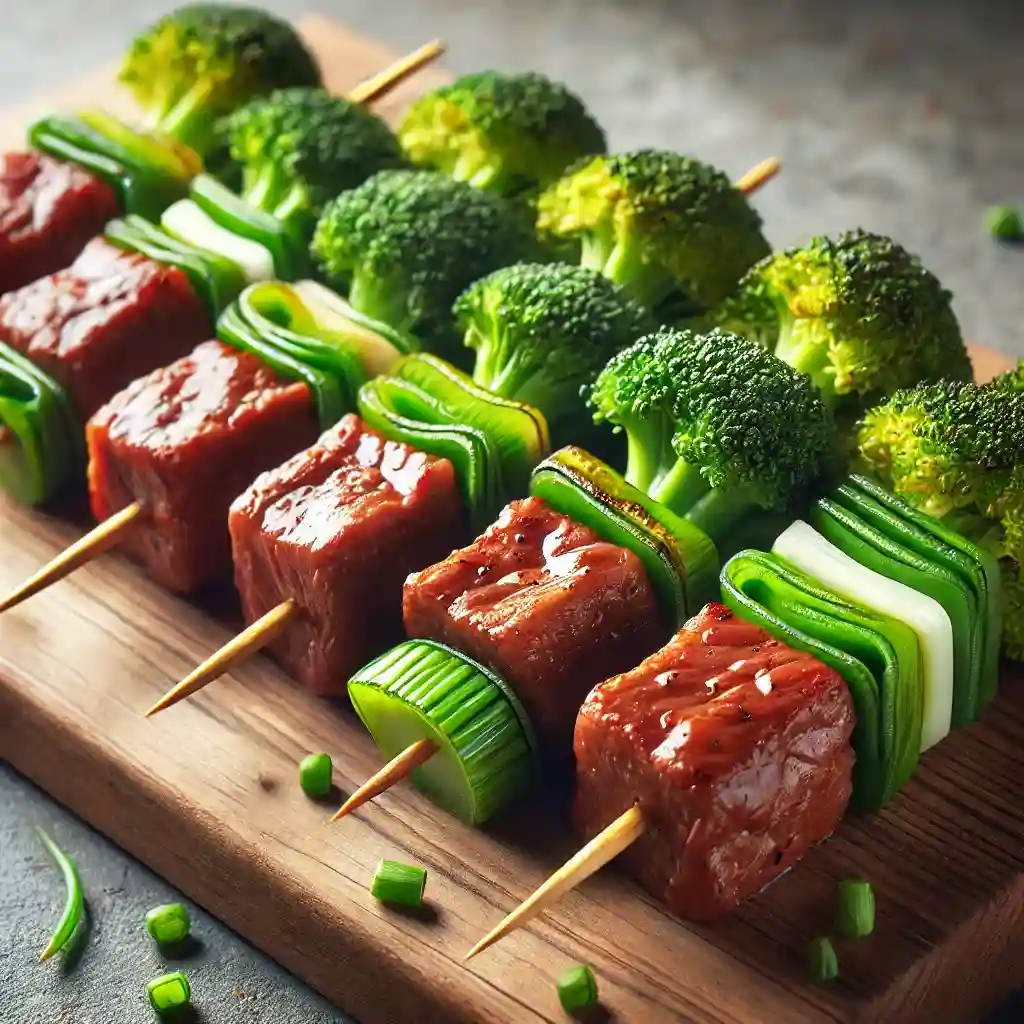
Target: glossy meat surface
737	749
337	529
109	318
185	441
546	603
49	209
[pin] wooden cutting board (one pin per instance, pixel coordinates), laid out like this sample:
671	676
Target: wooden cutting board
207	795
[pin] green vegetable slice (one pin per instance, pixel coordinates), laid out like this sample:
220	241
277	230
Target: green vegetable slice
40	436
487	753
148	173
169	992
237	215
876	655
398	883
937	542
74	907
316	773
878	551
822	963
577	988
168	924
855	910
680	559
404	412
217	280
518	432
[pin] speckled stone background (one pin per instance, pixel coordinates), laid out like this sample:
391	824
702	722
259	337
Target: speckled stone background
902	117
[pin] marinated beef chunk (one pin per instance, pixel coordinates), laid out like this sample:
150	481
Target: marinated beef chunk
546	603
336	530
184	442
49	209
109	318
737	749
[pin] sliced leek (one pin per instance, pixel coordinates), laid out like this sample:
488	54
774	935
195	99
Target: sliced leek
187	222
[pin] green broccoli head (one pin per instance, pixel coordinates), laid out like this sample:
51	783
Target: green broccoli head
405	244
716	426
670	230
956	450
543	331
858	313
202	61
1011	380
300	147
506	133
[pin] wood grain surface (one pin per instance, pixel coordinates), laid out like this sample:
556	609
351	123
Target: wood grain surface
207	795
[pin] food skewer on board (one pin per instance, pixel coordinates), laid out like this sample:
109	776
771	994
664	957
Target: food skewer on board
142	278
194	66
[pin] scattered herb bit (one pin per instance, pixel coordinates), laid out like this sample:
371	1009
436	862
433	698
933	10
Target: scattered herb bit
821	961
168	924
577	988
74	907
399	883
1005	222
315	774
855	913
169	992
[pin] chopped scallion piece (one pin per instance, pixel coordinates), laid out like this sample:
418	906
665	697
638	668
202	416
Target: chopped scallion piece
74	906
821	961
315	774
169	992
1005	222
855	914
399	883
577	988
168	924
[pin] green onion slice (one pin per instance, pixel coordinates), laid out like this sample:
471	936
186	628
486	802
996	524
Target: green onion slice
680	559
577	988
74	906
169	992
316	774
401	884
855	911
168	924
487	752
822	963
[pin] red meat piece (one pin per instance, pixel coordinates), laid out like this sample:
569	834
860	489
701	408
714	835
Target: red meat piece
49	209
336	530
736	748
184	442
546	603
109	318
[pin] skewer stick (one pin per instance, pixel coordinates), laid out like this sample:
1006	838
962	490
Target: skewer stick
376	88
397	769
264	630
759	175
625	830
95	542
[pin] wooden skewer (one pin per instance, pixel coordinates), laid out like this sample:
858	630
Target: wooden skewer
625	830
249	641
377	87
397	769
96	541
759	175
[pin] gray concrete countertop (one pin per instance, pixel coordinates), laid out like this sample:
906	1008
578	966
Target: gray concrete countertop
905	118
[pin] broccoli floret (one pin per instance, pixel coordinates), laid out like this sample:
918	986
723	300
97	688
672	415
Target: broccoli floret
405	244
300	147
506	133
858	313
670	230
956	450
716	426
1012	380
202	61
543	331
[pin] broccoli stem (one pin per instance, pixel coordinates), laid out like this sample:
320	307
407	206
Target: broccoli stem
264	188
681	487
191	119
379	301
642	279
717	512
648	448
804	345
